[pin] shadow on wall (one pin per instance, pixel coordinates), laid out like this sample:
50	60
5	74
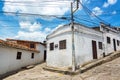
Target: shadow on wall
16	71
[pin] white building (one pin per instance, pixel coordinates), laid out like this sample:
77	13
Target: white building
89	44
14	56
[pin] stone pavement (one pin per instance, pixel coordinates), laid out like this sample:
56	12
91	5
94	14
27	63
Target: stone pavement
107	71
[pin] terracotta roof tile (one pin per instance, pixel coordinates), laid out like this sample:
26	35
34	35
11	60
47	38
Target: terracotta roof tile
17	46
25	41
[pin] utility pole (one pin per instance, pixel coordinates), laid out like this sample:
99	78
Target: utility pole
72	28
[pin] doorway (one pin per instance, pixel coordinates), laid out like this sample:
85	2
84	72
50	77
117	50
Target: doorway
114	44
45	55
94	49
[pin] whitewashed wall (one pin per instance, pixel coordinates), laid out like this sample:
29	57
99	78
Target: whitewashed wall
56	57
8	61
110	47
41	48
83	44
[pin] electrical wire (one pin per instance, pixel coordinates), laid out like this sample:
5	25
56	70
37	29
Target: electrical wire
85	24
30	14
40	1
90	12
86	20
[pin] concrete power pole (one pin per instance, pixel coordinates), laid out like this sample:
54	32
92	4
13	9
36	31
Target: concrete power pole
72	28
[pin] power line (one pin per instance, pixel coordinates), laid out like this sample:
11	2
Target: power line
30	14
37	21
85	10
37	1
90	12
56	16
102	15
87	24
51	1
86	20
40	5
55	3
50	22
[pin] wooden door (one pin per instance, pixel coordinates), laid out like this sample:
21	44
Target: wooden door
94	49
114	44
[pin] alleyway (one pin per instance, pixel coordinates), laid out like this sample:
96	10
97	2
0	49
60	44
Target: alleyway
107	71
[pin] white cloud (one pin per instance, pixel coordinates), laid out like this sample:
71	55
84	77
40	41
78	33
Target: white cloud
49	7
112	1
35	36
2	38
47	30
32	31
114	12
105	4
55	29
37	7
29	26
109	2
58	27
86	1
97	11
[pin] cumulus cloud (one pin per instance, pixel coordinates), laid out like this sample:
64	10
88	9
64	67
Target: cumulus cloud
97	11
112	1
2	38
109	2
35	36
29	26
86	1
33	31
105	4
114	12
37	6
58	27
47	30
30	29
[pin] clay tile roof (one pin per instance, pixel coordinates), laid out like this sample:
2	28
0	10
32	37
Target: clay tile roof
17	46
25	41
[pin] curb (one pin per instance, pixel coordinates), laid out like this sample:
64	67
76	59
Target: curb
66	72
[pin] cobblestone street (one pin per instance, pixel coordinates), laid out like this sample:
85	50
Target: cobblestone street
107	71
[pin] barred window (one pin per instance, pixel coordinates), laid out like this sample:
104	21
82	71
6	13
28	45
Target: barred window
100	45
51	46
108	40
62	44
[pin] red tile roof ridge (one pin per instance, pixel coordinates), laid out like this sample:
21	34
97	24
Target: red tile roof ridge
17	46
8	39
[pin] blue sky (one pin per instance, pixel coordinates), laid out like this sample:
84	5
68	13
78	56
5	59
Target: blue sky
49	16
